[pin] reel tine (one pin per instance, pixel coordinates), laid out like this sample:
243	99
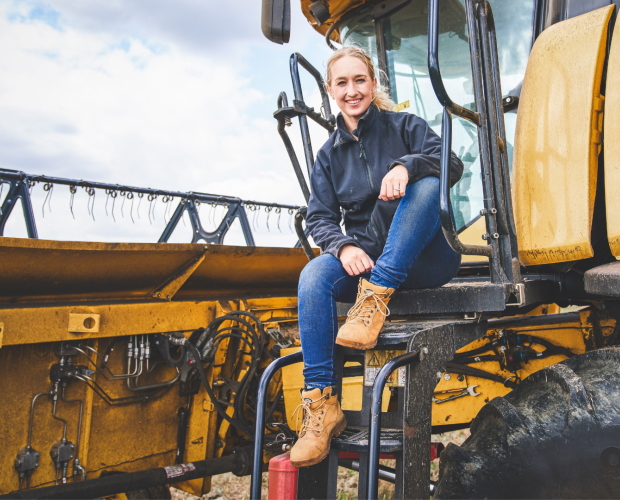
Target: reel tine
291	214
268	210
72	190
256	214
140	196
90	201
123	194
113	195
279	212
107	198
49	187
130	197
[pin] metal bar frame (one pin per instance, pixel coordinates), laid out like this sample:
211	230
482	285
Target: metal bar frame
20	182
18	191
261	405
297	60
284	114
501	236
375	418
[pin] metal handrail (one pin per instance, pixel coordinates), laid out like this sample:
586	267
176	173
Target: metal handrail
445	207
295	61
434	72
259	436
374	438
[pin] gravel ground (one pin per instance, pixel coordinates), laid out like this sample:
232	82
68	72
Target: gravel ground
230	487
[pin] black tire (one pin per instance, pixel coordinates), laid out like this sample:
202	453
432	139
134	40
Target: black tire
556	436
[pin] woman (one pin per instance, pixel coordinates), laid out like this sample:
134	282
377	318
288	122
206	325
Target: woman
380	169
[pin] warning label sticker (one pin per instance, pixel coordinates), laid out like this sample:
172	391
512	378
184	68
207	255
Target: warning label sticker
179	470
375	360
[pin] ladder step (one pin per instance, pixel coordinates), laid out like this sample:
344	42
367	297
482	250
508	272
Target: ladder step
356	439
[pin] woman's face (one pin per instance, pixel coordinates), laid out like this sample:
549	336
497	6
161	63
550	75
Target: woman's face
351	86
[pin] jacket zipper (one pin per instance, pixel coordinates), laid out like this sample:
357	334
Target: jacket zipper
368	171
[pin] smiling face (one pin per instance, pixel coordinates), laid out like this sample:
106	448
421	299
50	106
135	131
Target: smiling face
352	88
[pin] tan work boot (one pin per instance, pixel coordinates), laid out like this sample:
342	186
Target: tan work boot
366	317
322	420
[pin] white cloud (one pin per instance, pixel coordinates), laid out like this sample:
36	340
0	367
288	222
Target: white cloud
142	93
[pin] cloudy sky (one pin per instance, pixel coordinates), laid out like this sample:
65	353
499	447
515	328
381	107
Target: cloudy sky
166	94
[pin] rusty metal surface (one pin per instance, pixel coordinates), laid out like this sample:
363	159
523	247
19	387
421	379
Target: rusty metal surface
43	270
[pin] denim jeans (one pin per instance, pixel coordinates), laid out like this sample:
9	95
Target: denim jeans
416	255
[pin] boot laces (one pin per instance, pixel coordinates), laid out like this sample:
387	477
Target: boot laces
312	417
367	304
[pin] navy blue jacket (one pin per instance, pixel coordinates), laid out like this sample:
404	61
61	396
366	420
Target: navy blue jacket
347	175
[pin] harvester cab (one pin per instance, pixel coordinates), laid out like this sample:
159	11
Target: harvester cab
517	90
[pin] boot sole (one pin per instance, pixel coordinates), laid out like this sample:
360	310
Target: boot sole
313	461
355	345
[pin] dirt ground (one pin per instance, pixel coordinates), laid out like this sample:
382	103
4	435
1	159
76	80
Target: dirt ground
230	487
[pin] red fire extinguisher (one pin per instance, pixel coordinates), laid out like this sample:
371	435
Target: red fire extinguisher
282	478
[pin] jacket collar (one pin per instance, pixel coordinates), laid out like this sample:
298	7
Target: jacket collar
364	123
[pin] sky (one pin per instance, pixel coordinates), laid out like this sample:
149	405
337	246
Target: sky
174	95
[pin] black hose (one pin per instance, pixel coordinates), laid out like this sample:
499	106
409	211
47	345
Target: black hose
163	346
205	382
250	331
475	372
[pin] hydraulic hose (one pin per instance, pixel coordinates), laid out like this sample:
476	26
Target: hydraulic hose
163	346
203	376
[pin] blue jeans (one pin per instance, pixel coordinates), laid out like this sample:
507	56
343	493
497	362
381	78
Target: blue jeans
416	255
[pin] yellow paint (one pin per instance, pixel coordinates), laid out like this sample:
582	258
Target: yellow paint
570	335
473	236
401	106
173	284
375	360
558	137
56	271
1	333
125	438
84	323
612	144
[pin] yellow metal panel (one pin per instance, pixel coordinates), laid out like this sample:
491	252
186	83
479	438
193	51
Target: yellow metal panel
239	271
41	270
29	325
570	335
66	270
473	236
612	145
558	138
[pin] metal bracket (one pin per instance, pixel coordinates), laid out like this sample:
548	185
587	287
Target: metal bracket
519	293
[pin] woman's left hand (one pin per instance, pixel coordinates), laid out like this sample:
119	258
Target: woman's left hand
394	184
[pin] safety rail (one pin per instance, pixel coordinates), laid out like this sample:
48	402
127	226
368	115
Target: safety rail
374	438
300	109
261	405
488	117
328	122
21	183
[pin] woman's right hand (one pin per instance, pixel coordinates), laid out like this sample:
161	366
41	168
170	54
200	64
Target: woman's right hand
354	260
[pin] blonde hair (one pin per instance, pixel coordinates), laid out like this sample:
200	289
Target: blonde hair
380	97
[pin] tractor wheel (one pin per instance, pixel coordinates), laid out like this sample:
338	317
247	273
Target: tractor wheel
556	436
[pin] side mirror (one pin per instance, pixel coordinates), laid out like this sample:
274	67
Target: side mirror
276	20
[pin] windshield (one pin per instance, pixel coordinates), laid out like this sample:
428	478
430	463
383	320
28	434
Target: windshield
406	44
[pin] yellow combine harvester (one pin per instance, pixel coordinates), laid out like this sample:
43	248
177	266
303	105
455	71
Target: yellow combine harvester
128	367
